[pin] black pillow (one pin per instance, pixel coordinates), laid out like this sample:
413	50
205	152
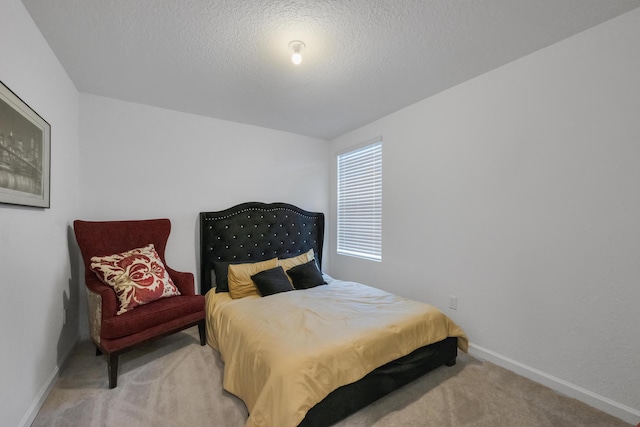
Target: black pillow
305	276
272	281
221	273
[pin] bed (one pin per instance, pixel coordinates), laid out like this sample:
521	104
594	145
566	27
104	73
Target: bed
313	356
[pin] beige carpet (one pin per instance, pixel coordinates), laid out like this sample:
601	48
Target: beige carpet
176	382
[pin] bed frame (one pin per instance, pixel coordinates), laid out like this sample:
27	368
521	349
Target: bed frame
255	231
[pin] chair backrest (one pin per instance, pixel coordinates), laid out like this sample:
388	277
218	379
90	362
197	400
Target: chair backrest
100	238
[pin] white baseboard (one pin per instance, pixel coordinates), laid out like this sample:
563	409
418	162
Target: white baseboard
42	395
602	403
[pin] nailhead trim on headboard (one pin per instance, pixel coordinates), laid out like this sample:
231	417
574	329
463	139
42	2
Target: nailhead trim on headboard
297	212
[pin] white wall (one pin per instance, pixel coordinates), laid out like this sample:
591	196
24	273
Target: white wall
518	192
36	274
145	162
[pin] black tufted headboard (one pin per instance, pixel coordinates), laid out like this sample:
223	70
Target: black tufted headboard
255	231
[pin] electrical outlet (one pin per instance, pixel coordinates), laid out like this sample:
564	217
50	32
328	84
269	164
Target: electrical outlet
453	302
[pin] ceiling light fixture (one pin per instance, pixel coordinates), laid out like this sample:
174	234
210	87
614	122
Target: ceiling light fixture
296	46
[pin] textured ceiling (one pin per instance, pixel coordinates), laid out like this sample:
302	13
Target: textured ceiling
364	59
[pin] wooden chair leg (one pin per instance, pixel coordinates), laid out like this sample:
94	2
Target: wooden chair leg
203	333
112	365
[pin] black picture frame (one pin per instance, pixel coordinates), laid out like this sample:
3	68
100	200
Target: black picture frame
25	153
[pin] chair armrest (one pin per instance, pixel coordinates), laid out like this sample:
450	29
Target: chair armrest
108	295
183	281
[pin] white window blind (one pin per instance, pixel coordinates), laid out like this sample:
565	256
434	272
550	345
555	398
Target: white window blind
360	202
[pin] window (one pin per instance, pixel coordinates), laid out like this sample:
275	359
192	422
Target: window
360	202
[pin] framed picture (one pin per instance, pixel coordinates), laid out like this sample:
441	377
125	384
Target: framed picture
25	153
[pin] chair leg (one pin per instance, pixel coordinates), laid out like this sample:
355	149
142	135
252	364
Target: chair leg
203	333
112	365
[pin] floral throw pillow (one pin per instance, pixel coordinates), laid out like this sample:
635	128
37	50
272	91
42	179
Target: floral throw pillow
137	276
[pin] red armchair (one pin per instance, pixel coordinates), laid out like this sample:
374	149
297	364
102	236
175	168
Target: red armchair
114	334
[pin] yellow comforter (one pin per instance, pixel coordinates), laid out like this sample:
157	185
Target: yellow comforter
286	352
